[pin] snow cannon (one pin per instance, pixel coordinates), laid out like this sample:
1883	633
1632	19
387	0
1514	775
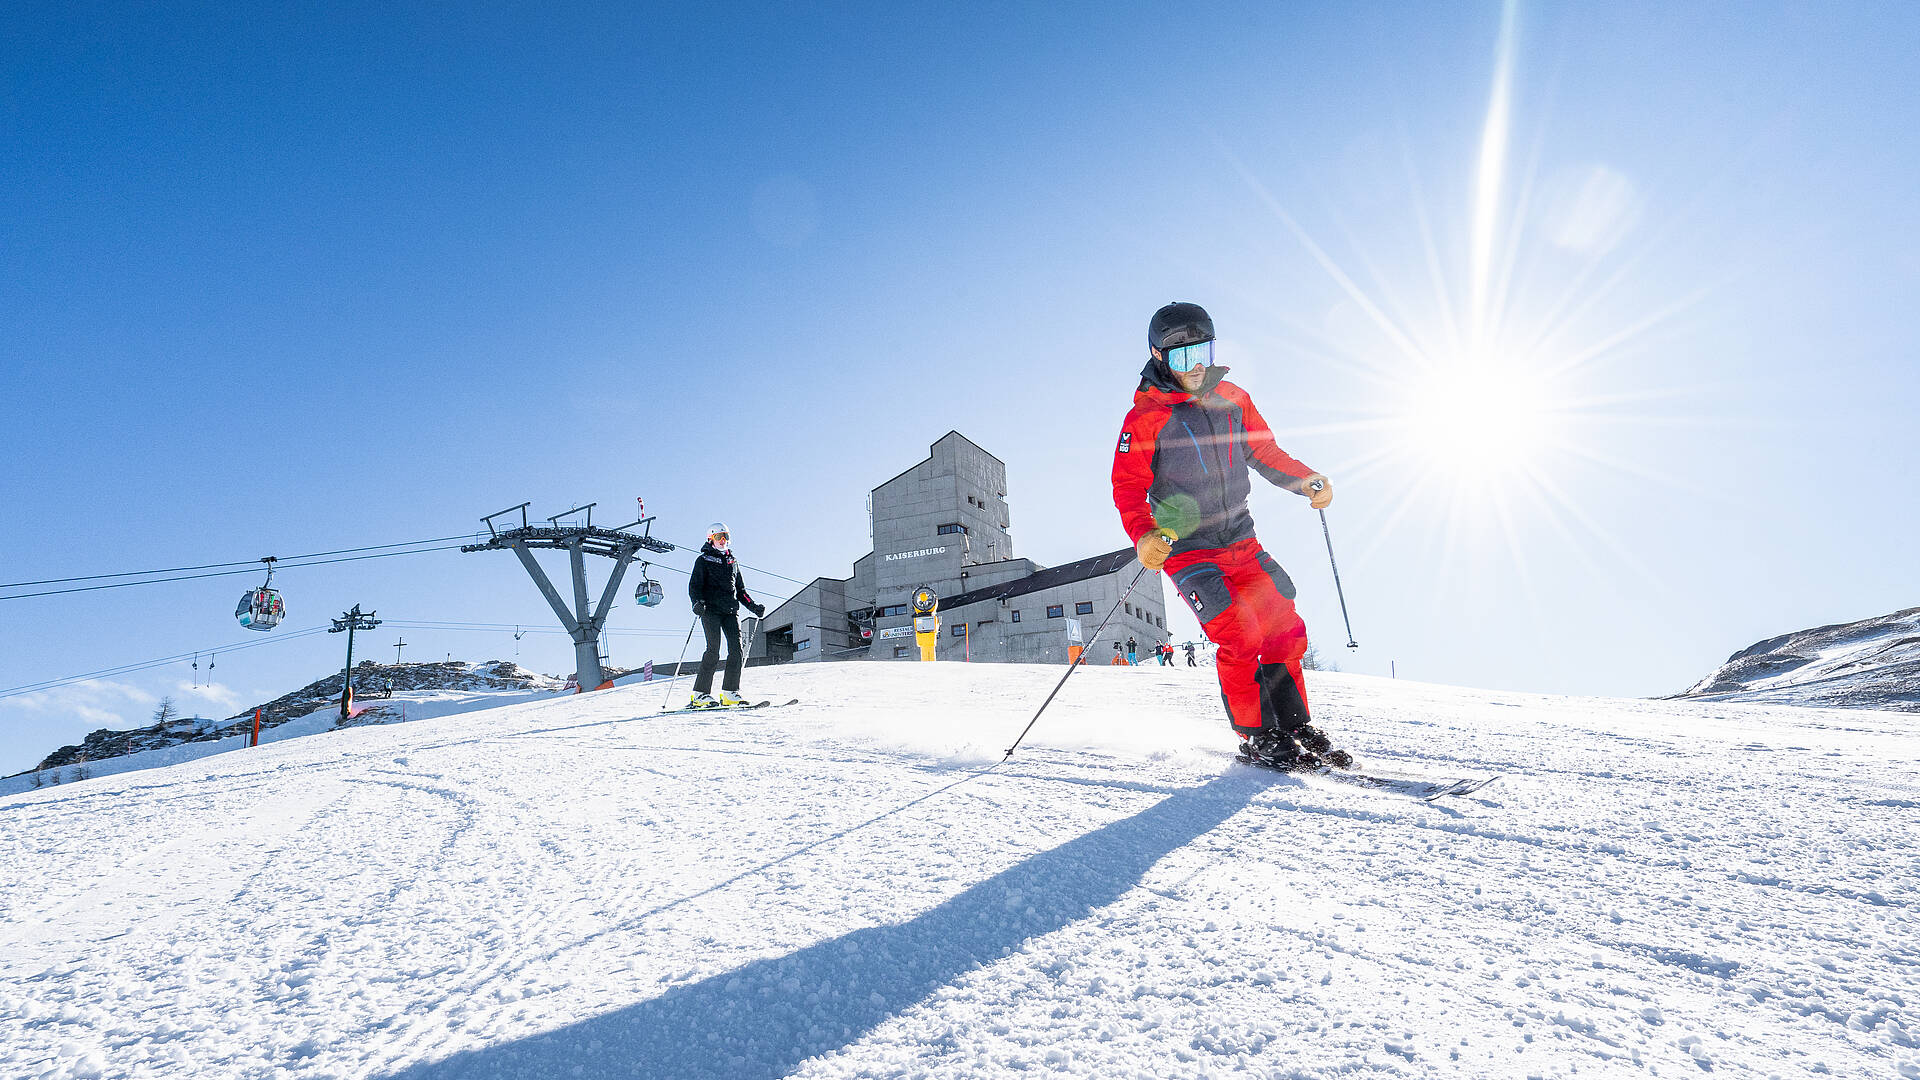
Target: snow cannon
926	620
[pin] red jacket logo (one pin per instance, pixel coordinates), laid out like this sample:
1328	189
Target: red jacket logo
1126	441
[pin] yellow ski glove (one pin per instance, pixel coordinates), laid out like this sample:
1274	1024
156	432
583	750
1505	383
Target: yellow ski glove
1154	548
1319	489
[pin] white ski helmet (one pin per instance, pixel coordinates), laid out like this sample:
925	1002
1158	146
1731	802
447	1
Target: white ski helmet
717	534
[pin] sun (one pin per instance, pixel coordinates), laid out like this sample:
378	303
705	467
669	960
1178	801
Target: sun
1485	419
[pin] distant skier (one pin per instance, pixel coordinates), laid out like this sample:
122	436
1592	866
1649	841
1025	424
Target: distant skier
718	591
1165	652
1191	662
1180	484
1133	651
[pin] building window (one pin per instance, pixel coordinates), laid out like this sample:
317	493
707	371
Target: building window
896	609
901	650
1160	621
1084	607
1016	616
950	528
959	630
1056	611
803	645
1129	611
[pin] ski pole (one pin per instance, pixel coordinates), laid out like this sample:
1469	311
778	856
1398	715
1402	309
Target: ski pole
664	701
1075	664
1338	591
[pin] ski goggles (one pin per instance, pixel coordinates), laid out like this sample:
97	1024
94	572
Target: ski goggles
1185	358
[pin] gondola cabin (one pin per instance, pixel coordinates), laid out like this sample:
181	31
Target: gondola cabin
260	609
649	593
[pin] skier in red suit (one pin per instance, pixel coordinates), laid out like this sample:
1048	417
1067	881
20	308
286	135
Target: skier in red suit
1180	483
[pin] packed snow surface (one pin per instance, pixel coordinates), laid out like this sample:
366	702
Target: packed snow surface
856	886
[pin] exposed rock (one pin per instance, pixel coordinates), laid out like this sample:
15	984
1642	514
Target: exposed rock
370	679
1870	664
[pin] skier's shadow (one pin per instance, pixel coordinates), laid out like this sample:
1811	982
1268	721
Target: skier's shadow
764	1019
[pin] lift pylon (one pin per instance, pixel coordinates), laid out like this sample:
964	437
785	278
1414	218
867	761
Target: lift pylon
582	623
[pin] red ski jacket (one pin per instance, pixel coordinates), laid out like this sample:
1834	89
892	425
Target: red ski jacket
1183	460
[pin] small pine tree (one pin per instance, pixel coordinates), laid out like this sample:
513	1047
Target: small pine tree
1312	661
165	711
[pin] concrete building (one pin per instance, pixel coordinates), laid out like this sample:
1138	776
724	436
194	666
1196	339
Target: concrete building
945	523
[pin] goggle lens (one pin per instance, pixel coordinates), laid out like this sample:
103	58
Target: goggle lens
1185	358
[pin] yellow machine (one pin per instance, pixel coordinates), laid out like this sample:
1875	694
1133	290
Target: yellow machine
926	620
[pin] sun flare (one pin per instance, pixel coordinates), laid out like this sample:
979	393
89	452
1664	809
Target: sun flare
1490	346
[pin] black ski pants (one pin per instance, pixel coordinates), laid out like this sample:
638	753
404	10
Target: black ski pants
718	626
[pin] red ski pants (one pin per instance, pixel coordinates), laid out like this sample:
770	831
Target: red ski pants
1244	602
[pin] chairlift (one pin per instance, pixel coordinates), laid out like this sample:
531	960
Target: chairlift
648	593
261	608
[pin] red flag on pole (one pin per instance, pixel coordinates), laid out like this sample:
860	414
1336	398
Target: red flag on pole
255	741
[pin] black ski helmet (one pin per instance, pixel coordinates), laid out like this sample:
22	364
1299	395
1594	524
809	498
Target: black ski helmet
1177	324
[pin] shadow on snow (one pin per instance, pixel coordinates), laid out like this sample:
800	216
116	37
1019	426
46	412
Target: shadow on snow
764	1019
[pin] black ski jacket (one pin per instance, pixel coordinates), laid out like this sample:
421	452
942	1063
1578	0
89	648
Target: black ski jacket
716	582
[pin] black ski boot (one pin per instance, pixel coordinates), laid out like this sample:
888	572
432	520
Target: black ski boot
1315	742
1272	750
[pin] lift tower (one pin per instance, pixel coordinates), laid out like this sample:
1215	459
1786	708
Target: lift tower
577	540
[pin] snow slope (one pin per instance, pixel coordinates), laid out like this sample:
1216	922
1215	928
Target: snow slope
581	887
1869	664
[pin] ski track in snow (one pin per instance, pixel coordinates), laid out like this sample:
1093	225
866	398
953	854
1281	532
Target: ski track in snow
579	887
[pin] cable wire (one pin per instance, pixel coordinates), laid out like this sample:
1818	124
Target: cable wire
522	628
143	665
284	564
755	569
689	573
254	563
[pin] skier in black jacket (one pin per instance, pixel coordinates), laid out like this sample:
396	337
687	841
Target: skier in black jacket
718	592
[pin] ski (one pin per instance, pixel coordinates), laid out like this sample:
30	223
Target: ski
1423	789
768	704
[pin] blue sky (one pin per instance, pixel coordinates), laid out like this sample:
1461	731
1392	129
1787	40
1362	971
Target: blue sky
308	279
